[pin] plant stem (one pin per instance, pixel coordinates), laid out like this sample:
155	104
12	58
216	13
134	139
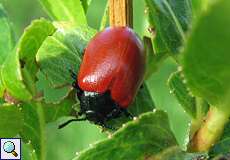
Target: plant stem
121	13
42	129
210	131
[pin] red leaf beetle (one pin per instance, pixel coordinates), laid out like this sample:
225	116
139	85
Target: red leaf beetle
111	72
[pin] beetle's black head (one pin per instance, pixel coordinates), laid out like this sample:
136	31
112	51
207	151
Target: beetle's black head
97	107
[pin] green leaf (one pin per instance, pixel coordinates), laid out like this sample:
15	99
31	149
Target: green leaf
105	18
199	6
33	132
50	94
151	64
222	147
65	10
180	155
85	4
73	138
61	52
143	102
28	152
11	120
33	37
206	57
58	54
171	19
29	43
195	107
179	89
147	135
2	101
160	92
97	18
53	112
175	153
7	42
152	60
12	77
19	81
2	86
140	22
159	46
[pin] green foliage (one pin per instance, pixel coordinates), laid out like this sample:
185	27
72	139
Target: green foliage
12	77
24	53
98	18
206	61
12	118
2	87
33	128
153	59
171	19
54	111
59	54
6	35
68	10
62	52
73	138
178	88
143	102
160	92
28	152
30	42
199	6
150	134
6	42
85	4
147	137
51	94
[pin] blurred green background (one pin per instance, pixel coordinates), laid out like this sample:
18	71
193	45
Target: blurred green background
65	143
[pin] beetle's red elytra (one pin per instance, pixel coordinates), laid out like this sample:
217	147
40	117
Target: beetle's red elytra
114	60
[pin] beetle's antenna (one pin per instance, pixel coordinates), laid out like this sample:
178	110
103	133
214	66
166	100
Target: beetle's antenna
69	121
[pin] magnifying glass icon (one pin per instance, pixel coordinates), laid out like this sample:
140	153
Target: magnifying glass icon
9	147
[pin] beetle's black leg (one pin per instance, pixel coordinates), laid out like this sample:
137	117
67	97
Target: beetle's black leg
107	126
120	110
78	89
80	113
127	113
69	121
76	113
116	112
74	84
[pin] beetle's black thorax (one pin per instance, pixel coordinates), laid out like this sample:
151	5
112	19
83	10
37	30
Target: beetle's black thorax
98	108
